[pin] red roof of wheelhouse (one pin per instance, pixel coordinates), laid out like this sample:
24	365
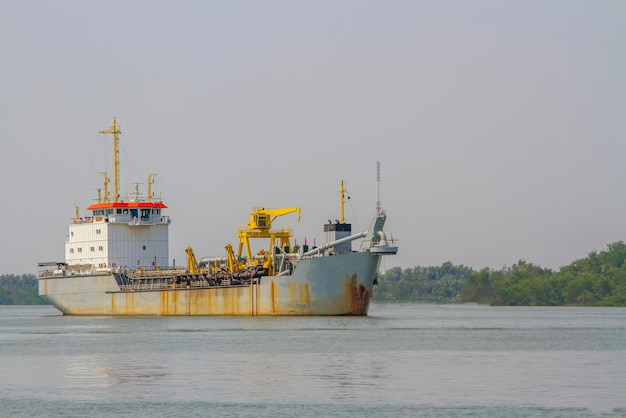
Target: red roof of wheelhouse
109	205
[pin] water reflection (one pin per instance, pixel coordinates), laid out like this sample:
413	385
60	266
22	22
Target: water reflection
117	374
459	356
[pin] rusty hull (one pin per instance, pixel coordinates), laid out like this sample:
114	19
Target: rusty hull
333	285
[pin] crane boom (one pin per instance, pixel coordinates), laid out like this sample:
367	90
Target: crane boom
262	218
260	225
192	264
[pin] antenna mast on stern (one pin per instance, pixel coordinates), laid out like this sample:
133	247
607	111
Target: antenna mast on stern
378	208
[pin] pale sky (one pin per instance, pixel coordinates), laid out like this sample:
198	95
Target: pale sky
500	126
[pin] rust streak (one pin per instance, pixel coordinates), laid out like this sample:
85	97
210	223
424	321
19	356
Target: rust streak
308	294
273	296
359	297
175	301
128	304
291	288
163	307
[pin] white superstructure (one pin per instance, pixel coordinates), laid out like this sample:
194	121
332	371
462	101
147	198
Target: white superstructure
129	234
119	233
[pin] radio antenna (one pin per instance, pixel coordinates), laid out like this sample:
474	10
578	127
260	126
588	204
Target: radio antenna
378	187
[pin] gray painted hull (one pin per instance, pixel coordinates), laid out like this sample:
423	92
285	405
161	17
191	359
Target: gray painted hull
331	285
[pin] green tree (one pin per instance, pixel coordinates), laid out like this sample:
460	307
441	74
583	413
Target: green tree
442	284
19	290
597	280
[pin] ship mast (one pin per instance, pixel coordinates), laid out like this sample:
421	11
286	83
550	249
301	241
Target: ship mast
378	208
115	131
150	183
106	188
342	202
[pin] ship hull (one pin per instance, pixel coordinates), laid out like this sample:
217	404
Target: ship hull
331	285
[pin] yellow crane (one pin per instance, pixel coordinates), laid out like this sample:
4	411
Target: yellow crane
192	264
232	262
260	227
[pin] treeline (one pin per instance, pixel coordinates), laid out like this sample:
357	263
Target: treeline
441	284
19	290
597	280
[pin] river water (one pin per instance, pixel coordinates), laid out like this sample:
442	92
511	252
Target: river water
401	361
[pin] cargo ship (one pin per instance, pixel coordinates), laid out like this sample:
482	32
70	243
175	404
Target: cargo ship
116	263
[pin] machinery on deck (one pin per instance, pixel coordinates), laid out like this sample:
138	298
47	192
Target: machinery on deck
260	227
